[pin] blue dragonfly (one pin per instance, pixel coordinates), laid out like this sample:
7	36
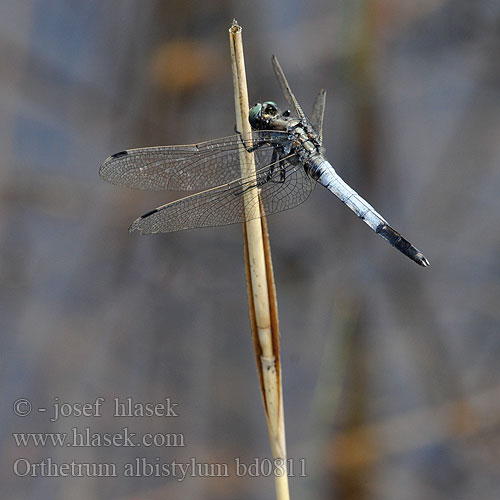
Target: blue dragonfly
289	160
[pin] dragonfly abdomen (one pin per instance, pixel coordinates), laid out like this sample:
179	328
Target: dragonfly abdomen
323	172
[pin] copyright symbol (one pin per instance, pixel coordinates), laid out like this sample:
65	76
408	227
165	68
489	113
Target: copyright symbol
22	407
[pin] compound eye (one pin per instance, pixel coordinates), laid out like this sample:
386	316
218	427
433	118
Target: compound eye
270	108
255	115
286	113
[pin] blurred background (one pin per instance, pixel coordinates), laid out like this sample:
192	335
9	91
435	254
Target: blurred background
391	372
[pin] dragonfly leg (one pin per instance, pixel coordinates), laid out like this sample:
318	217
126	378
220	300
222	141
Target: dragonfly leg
281	165
276	160
249	149
269	174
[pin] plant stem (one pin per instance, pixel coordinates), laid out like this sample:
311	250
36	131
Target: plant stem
260	281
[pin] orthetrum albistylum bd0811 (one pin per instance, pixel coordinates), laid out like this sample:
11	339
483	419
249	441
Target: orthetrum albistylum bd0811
289	162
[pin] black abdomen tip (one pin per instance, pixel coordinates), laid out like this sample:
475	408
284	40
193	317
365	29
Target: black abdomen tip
402	244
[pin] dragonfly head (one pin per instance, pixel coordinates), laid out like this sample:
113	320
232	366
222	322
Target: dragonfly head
261	116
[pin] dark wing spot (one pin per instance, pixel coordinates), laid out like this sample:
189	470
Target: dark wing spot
120	154
149	213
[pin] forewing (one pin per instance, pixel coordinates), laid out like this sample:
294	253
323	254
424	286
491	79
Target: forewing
288	187
287	91
319	113
184	168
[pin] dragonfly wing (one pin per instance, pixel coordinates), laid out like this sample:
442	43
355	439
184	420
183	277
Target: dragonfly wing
319	113
288	191
190	167
283	187
287	91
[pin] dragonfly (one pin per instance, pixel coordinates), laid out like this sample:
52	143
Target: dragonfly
289	160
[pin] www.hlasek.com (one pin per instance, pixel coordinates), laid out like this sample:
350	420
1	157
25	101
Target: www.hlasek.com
143	467
86	438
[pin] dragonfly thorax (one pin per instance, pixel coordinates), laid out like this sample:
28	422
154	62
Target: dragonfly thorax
306	141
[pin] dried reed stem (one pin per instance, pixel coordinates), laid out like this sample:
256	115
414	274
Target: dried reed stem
260	281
